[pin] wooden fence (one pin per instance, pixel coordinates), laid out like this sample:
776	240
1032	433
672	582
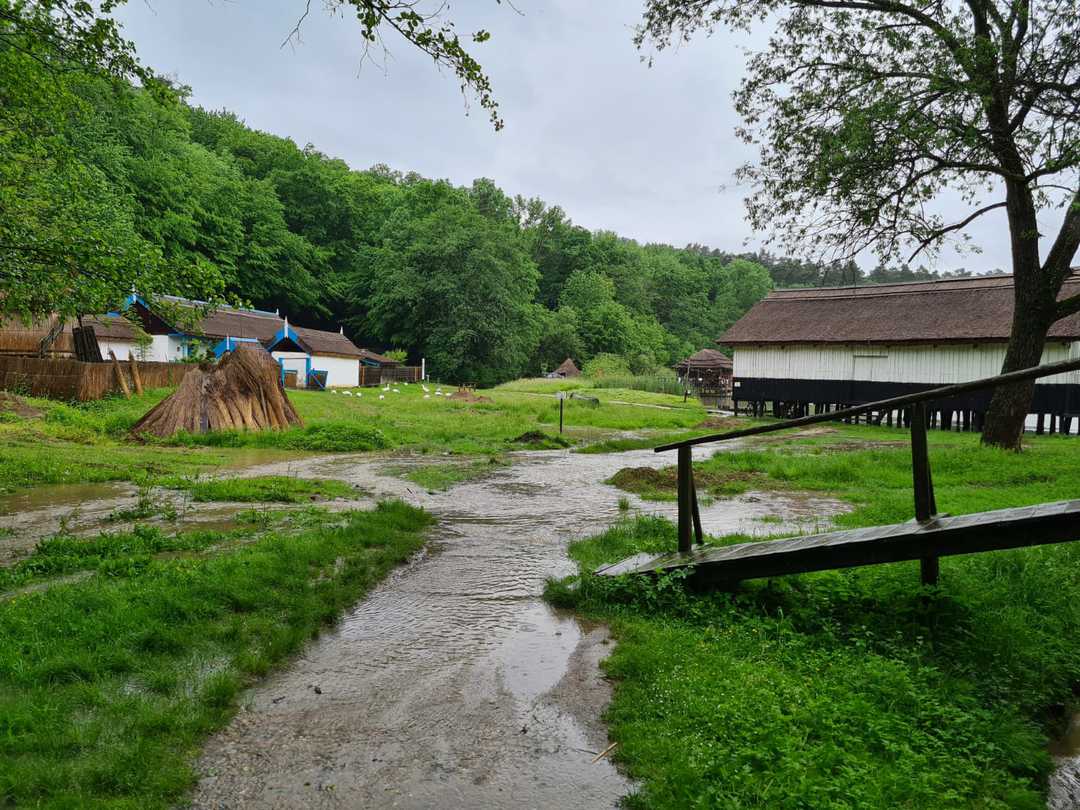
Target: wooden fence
73	380
370	375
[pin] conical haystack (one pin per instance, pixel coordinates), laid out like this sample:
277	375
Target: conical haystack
242	391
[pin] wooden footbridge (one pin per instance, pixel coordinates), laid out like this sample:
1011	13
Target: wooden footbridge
926	538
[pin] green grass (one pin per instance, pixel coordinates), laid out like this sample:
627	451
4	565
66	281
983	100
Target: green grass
852	689
263	489
89	442
108	685
439	477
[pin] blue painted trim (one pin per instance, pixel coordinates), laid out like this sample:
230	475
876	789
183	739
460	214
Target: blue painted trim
283	334
229	343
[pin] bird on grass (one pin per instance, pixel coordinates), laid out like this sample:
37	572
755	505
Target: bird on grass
396	391
382	396
426	389
346	393
427	396
334	392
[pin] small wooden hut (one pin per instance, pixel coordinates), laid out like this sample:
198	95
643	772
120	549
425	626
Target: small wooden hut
567	369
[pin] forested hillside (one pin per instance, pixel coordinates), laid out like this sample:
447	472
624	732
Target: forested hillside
105	188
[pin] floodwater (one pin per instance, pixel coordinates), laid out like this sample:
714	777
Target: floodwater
1063	791
453	684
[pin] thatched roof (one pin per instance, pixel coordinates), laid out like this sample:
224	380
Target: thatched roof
17	337
706	359
568	368
374	357
316	341
952	310
109	327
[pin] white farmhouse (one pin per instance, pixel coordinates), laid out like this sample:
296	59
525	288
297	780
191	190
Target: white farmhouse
808	350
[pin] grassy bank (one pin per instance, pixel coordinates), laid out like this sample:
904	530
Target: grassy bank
89	443
851	689
110	682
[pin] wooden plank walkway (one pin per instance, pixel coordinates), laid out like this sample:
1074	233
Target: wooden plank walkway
940	536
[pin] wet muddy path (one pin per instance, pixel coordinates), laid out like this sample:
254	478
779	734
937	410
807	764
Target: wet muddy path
453	684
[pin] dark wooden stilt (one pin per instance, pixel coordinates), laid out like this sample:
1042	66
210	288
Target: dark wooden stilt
696	513
1040	424
925	503
686	494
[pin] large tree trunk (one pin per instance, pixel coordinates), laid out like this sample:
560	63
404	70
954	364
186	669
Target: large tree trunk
1034	300
1004	426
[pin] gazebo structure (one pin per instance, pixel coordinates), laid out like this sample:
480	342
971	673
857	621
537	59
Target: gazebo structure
708	371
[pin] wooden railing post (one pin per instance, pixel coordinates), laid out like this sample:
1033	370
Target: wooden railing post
925	504
698	538
686	493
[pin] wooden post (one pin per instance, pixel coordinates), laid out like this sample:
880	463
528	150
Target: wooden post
136	377
698	535
686	484
1040	424
120	375
925	504
561	403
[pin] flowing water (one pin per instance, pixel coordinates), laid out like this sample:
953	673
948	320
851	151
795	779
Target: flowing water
453	684
1063	792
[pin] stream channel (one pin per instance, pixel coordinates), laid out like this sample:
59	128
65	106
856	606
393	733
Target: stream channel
453	684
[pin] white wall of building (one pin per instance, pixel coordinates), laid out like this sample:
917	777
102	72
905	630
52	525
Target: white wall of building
341	372
164	349
935	364
293	361
122	348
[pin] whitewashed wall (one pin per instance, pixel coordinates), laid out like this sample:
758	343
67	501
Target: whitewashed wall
293	361
341	372
941	364
122	348
164	349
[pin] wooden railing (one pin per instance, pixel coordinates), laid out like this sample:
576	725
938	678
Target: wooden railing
922	481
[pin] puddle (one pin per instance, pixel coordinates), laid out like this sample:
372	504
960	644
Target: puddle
453	684
59	496
1063	790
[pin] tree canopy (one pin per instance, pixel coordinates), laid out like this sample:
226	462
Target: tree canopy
109	185
866	111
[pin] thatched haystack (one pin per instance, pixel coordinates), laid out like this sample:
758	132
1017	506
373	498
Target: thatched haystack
242	391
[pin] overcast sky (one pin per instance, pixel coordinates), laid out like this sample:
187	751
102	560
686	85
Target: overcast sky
647	152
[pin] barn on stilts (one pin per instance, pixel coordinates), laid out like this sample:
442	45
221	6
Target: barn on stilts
804	351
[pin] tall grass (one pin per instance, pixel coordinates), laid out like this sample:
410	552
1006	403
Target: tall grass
849	689
658	385
108	685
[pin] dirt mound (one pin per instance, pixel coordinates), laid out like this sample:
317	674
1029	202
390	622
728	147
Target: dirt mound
465	395
723	423
663	483
541	441
242	391
641	479
9	403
